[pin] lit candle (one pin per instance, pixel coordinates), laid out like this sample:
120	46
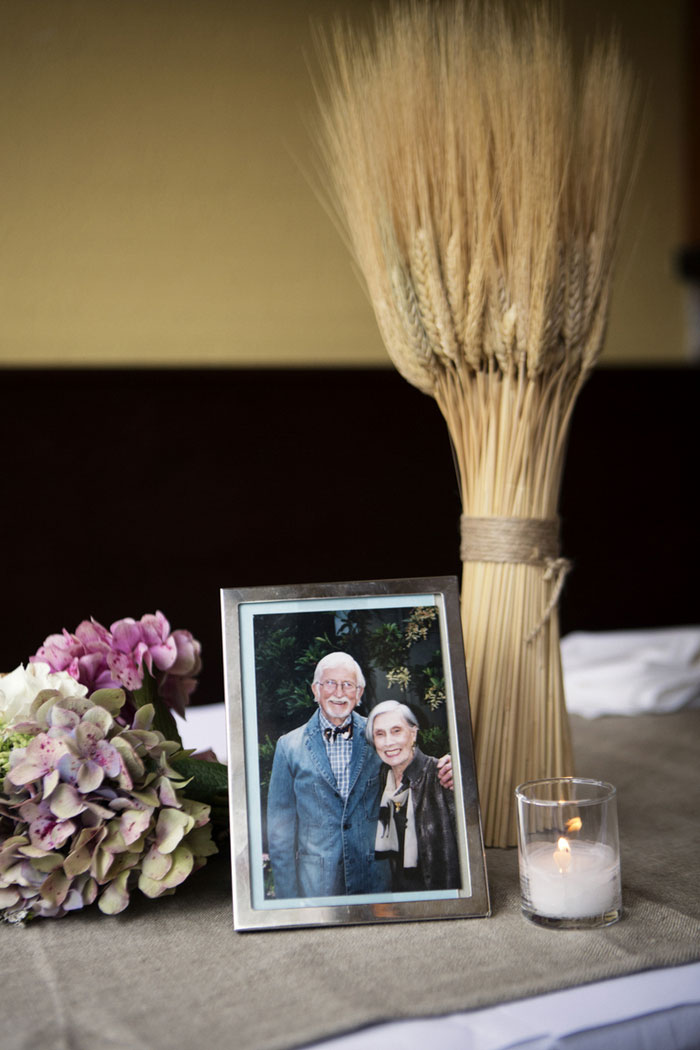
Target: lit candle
568	852
576	880
562	855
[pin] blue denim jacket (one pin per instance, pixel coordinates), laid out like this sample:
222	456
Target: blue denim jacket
321	845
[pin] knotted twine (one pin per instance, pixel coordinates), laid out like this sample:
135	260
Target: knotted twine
521	541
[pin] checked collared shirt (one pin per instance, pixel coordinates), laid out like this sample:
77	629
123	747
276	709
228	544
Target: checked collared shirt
339	751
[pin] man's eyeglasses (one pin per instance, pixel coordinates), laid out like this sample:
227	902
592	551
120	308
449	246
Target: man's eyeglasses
332	685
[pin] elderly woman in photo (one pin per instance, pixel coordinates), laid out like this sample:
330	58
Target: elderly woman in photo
416	829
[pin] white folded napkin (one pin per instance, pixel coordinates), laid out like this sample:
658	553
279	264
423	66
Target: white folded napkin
629	672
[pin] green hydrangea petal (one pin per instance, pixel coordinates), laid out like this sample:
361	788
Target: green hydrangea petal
79	704
99	717
142	739
42	704
55	887
87	736
167	793
40	756
61	718
101	863
17	874
8	896
183	862
78	860
115	898
98	811
150	887
89	891
35	853
148	797
133	823
112	700
9	846
156	865
114	840
122	862
171	827
143	719
66	802
182	865
199	811
90	776
133	763
199	840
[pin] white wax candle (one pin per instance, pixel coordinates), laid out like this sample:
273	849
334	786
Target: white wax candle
571	880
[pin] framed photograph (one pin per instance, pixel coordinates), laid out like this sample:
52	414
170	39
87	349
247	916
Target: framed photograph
351	771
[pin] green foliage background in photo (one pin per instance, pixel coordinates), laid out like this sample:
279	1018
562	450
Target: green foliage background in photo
398	650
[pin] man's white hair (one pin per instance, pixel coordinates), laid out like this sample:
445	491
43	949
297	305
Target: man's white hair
333	660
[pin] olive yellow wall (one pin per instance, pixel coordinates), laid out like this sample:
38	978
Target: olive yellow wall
155	204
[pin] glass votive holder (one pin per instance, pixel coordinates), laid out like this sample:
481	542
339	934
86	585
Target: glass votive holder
569	852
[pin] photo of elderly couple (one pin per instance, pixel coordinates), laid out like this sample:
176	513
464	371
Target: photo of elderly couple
357	793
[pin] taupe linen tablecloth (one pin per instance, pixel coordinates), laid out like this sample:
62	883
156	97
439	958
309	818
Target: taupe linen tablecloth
173	974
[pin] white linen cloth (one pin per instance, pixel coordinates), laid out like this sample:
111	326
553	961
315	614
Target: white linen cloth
204	729
631	672
655	1008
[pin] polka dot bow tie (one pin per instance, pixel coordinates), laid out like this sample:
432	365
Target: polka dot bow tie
345	732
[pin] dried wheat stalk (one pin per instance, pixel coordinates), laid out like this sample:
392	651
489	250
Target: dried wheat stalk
480	180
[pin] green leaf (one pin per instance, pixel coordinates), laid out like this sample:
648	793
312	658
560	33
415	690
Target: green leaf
207	779
164	720
165	723
208	783
147	693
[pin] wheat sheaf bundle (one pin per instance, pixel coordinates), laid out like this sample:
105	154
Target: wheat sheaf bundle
479	179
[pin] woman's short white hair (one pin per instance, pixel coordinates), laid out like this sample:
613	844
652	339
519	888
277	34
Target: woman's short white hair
344	659
389	705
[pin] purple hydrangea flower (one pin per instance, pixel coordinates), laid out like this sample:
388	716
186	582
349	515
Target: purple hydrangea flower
120	657
91	810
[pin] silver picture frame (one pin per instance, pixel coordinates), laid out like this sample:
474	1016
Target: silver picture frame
272	637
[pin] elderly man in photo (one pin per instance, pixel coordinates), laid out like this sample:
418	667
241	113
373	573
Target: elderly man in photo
325	792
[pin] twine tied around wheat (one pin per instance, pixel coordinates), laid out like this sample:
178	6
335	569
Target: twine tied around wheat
519	541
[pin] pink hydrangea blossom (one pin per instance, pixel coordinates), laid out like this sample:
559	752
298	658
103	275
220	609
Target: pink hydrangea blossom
120	657
161	645
61	652
188	660
82	654
176	691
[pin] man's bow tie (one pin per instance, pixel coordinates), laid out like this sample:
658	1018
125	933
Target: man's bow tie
332	733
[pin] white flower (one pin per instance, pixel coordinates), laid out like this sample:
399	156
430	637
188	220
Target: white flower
19	688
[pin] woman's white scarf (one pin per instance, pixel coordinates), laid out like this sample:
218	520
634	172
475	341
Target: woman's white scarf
387	839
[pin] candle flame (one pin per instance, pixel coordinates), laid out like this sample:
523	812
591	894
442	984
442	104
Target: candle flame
575	824
562	855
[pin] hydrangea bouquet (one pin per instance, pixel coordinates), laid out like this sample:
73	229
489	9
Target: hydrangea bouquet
97	795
